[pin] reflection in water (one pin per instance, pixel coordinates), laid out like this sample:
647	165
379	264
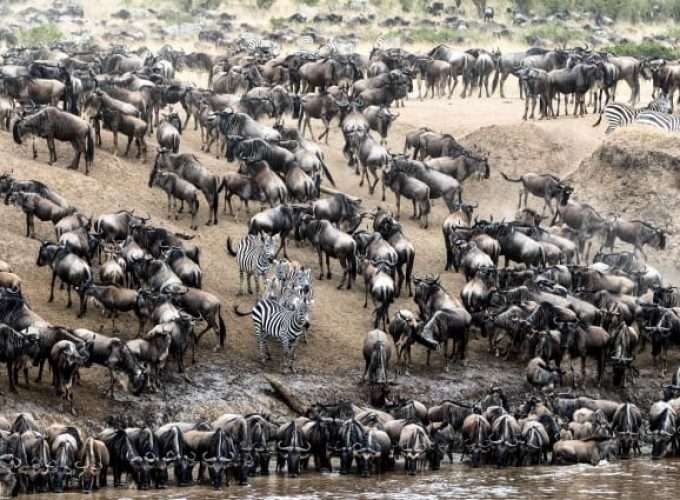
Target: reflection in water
636	479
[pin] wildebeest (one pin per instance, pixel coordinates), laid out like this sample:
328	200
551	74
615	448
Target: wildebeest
169	131
638	233
575	451
34	205
52	123
65	359
93	465
334	243
445	325
546	186
191	170
125	458
71	270
177	188
377	351
15	349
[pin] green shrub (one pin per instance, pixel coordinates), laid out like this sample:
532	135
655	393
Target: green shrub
310	3
523	5
43	34
555	32
645	49
430	35
278	22
406	5
264	4
672	8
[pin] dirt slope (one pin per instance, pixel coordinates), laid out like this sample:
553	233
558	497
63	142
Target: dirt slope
330	364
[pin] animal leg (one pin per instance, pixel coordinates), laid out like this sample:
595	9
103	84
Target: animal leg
54	277
320	263
240	286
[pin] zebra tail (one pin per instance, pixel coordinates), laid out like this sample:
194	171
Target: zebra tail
229	247
239	313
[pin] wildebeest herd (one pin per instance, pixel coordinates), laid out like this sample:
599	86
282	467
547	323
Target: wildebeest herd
36	458
553	302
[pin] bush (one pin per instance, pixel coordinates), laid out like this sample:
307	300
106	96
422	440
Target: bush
523	6
651	50
278	22
554	32
309	3
264	4
430	35
43	34
673	9
406	5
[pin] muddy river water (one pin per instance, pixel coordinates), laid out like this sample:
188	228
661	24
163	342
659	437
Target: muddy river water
633	479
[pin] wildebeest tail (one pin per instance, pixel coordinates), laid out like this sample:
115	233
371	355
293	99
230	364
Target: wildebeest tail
230	248
496	77
89	144
327	172
300	117
353	264
541	257
239	313
297	106
16	132
183	236
599	119
223	328
510	179
217	187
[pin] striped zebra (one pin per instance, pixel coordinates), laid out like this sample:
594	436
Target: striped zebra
619	114
663	121
289	283
254	256
289	280
273	319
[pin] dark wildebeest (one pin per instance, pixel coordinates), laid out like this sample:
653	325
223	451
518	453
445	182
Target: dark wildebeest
52	123
546	186
638	233
191	170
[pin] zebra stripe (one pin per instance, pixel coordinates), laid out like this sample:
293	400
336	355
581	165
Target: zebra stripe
254	258
272	319
662	121
621	115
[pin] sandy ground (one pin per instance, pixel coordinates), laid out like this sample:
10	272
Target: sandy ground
330	363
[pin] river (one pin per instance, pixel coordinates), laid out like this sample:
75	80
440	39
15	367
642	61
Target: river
636	479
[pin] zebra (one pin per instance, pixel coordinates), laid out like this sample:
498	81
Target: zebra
273	319
621	115
663	121
289	277
254	256
290	283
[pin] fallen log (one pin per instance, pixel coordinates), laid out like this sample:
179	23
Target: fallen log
294	402
327	190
